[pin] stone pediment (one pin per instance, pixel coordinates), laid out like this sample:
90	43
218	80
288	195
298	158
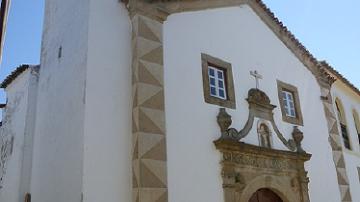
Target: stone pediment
258	97
259	107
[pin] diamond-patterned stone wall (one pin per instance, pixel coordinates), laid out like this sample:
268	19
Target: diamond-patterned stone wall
336	145
148	118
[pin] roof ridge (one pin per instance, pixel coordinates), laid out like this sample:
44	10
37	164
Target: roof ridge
321	72
15	73
336	73
285	29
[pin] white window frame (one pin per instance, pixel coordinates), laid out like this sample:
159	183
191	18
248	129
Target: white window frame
289	103
217	82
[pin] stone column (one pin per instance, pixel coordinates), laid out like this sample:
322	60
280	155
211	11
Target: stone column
335	142
228	176
303	182
148	114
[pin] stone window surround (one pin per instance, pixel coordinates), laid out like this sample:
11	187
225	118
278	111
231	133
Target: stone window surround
357	123
341	116
207	61
298	120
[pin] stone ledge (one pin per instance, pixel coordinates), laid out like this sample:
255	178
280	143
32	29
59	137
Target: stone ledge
240	147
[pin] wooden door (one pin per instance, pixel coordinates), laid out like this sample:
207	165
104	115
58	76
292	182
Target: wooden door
265	195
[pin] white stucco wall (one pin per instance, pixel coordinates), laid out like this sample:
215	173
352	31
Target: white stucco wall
236	35
350	101
83	128
107	140
17	122
58	155
14	125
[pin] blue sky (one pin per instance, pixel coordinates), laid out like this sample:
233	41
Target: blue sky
23	36
329	29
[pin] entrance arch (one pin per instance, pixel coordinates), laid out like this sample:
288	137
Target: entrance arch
277	184
265	195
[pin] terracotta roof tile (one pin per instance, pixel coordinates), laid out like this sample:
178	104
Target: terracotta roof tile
324	68
7	81
339	76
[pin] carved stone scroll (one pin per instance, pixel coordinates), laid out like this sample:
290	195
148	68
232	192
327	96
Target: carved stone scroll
260	107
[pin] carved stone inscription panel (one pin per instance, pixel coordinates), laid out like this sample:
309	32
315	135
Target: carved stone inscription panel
247	168
244	160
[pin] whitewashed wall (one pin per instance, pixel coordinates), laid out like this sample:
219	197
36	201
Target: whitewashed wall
350	101
107	141
236	35
83	128
17	122
58	155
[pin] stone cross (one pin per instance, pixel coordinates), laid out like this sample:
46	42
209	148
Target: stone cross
257	77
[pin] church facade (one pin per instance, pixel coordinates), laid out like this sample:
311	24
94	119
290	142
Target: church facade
180	101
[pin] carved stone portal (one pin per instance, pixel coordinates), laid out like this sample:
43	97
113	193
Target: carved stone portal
247	168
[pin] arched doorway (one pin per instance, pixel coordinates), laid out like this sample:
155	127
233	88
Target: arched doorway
265	195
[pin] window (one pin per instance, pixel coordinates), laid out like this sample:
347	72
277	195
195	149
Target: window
218	82
357	124
289	103
343	126
289	106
